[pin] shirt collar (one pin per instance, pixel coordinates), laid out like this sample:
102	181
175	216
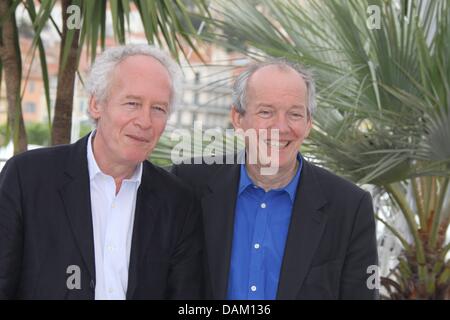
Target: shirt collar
245	180
290	188
94	169
92	163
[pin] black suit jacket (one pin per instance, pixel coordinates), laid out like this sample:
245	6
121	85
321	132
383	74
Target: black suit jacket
46	226
331	239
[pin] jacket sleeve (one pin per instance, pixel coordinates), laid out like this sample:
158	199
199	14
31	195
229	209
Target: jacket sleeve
174	169
357	278
186	277
11	231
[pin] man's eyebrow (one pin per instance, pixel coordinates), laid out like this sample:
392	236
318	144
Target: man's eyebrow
130	96
164	104
265	105
296	106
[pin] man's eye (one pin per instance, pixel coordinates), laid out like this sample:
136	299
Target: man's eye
296	115
159	109
265	113
133	104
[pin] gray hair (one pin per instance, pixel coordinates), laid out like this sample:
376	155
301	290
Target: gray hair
99	78
240	86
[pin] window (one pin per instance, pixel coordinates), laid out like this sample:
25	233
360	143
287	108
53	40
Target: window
197	77
30	107
31	86
82	106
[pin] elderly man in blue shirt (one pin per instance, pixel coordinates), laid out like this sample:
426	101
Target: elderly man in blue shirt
297	232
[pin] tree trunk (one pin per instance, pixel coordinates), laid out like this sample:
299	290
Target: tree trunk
12	65
62	120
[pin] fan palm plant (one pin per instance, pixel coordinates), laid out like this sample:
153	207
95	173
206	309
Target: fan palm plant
383	73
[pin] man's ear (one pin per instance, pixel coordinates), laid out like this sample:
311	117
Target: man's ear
236	118
94	108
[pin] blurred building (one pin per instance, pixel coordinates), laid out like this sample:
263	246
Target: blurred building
207	90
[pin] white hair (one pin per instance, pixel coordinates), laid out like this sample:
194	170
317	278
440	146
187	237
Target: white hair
99	78
240	86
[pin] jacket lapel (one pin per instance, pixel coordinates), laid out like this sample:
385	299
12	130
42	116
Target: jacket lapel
144	220
305	231
218	218
75	194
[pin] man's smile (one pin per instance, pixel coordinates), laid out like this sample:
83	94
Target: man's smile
138	138
278	144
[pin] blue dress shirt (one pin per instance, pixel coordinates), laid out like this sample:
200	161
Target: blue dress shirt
260	231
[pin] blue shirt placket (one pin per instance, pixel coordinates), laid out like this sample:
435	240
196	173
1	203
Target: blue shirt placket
257	267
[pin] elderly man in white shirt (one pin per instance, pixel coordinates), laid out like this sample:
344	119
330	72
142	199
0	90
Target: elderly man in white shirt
95	219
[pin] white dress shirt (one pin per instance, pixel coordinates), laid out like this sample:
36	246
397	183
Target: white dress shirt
112	219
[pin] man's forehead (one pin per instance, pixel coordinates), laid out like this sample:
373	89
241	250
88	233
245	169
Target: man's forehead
150	71
140	65
272	74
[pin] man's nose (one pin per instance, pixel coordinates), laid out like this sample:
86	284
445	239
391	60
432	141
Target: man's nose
281	123
144	119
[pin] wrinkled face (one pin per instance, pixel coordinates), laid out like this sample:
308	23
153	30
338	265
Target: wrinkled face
134	115
276	99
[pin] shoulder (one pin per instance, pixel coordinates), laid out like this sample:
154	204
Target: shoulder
196	169
167	182
35	169
40	160
335	186
41	155
199	171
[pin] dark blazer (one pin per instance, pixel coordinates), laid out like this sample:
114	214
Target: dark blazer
46	226
331	239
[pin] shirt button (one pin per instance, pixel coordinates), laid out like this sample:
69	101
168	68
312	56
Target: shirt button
256	245
253	288
263	205
110	290
113	205
110	247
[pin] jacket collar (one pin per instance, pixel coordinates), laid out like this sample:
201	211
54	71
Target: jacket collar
75	194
